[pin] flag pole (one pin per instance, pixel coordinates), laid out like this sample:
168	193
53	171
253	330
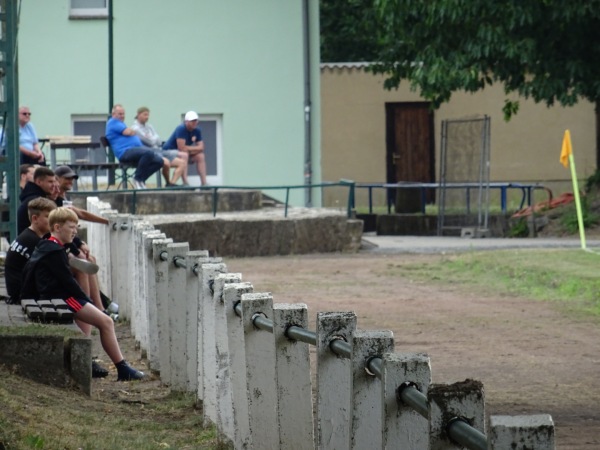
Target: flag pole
567	150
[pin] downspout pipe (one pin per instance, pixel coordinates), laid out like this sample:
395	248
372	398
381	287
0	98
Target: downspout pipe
307	105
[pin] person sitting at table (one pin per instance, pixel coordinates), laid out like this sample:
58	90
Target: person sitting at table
150	138
128	148
29	145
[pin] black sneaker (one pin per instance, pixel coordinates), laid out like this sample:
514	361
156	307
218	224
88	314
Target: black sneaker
98	371
128	373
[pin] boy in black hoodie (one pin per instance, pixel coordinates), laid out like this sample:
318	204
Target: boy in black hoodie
47	275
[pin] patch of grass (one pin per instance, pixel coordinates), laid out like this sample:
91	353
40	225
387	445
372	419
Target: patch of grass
568	277
35	416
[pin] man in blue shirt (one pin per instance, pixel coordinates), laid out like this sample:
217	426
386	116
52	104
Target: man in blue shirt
128	148
187	137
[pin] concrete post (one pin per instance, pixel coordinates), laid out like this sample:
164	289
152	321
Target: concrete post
232	295
80	368
147	283
207	329
367	391
105	274
260	372
225	421
161	275
521	432
139	283
151	302
403	427
334	380
99	242
194	260
450	401
120	260
127	253
177	312
292	369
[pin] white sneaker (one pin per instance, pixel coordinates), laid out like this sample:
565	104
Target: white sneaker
138	184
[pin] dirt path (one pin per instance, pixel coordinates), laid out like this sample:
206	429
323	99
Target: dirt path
530	357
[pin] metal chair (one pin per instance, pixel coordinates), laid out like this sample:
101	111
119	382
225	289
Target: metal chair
124	178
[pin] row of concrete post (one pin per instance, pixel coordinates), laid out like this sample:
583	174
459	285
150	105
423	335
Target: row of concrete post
254	384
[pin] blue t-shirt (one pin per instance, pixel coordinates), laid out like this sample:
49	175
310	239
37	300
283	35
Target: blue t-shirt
118	142
181	132
27	136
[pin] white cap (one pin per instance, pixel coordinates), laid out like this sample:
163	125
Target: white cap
191	115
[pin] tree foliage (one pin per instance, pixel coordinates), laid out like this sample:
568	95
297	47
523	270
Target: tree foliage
547	50
348	30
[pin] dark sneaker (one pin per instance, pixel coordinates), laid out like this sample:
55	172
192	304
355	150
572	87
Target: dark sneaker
128	373
98	371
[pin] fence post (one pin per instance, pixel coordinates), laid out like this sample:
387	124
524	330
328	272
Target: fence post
225	420
334	380
177	315
367	391
240	432
462	400
139	284
403	426
207	328
292	369
260	372
521	432
98	240
152	346
118	267
194	260
161	276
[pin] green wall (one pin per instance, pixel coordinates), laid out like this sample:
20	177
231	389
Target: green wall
242	60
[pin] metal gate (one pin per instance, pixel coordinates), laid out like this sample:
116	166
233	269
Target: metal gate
464	177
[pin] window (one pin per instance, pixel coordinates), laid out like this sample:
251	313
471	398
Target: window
211	127
88	9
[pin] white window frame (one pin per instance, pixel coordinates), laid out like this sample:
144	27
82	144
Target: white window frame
214	179
88	12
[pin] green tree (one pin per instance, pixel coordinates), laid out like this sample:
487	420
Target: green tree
546	50
348	30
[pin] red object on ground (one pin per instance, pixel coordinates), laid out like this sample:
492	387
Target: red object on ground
563	199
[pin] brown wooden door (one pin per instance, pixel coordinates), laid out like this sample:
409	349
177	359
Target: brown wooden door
410	151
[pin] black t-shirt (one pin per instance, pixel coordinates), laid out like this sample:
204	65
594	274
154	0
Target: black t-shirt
17	256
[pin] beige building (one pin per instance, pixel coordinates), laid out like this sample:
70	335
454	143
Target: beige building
362	122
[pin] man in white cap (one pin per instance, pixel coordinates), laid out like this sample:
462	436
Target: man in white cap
187	137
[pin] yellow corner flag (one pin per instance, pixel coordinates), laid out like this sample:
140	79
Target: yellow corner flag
566	149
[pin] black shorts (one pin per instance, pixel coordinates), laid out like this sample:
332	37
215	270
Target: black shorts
75	304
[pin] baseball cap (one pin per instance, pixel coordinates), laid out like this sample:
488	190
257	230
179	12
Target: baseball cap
66	172
191	115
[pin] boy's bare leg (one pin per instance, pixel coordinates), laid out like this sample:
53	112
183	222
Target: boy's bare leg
91	315
85	328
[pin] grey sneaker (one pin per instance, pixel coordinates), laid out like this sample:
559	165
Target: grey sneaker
137	184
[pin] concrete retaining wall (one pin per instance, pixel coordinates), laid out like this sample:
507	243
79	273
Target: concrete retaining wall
53	360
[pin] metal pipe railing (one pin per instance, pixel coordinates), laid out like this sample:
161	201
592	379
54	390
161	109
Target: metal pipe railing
214	190
458	429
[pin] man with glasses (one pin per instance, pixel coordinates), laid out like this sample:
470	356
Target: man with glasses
29	145
187	137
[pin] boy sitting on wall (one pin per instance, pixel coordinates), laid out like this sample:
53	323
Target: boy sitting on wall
47	275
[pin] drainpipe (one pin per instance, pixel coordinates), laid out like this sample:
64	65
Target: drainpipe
307	105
